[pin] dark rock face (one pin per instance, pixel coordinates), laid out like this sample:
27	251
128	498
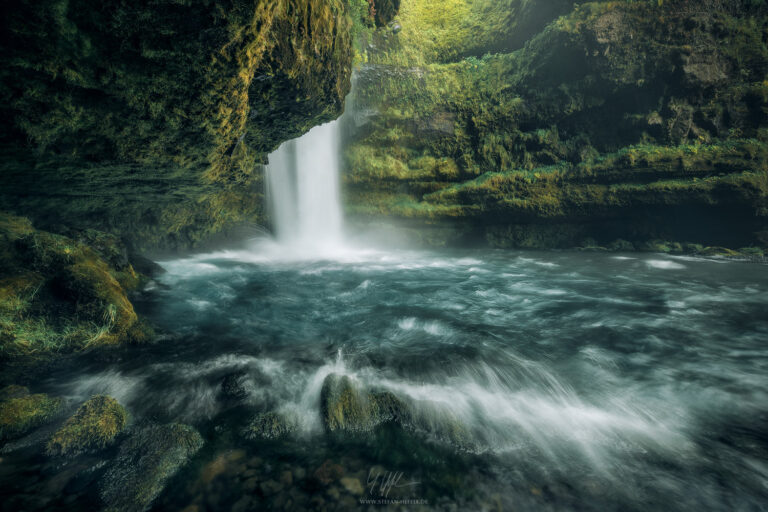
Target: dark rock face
603	120
156	115
147	459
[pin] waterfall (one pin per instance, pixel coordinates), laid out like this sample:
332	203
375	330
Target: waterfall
303	190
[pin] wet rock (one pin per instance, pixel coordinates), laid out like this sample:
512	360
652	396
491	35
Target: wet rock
270	425
270	487
20	415
223	463
145	462
345	408
352	485
251	485
233	387
719	252
286	478
620	245
328	472
13	391
94	426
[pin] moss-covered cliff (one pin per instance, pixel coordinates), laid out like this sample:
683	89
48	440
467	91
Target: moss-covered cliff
148	119
549	124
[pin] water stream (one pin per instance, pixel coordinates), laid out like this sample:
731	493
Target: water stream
535	381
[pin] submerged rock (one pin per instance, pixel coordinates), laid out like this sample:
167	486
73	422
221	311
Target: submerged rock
94	426
145	462
20	415
270	425
233	387
13	391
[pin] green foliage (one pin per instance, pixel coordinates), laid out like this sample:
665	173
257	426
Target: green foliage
604	113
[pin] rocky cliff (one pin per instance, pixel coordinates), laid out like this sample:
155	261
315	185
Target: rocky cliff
525	123
149	119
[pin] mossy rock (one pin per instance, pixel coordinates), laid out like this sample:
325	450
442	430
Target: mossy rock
345	408
270	426
145	463
59	295
13	391
20	415
720	252
94	426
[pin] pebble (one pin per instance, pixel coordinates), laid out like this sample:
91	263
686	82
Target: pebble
286	478
352	485
270	487
251	485
333	492
299	473
243	504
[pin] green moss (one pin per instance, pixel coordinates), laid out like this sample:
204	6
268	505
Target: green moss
57	294
93	427
20	415
145	462
585	124
269	425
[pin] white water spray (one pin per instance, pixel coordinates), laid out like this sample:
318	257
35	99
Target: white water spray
303	190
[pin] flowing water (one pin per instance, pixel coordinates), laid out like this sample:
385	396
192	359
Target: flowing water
533	381
582	381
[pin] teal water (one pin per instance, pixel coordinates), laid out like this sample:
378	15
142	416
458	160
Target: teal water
579	381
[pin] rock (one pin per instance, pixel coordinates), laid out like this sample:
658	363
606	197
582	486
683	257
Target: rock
286	478
20	415
620	245
94	426
345	408
270	487
352	485
220	465
328	472
145	462
721	252
270	425
13	391
251	484
233	387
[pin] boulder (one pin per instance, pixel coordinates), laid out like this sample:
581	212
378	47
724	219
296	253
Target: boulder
145	462
94	426
270	425
20	415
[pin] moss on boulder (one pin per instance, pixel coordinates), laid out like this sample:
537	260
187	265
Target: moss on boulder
270	425
145	462
94	426
59	295
24	413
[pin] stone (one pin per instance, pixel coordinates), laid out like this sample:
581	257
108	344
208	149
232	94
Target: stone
94	426
144	463
352	485
21	415
270	425
233	387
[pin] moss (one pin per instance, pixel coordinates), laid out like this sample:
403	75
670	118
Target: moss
94	426
269	425
20	415
145	462
13	391
57	294
604	116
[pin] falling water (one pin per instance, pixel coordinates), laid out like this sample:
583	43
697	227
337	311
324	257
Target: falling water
303	190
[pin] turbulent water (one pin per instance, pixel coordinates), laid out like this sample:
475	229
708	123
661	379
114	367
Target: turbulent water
582	380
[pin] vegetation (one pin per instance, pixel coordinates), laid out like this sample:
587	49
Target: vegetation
58	294
601	120
95	425
20	414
